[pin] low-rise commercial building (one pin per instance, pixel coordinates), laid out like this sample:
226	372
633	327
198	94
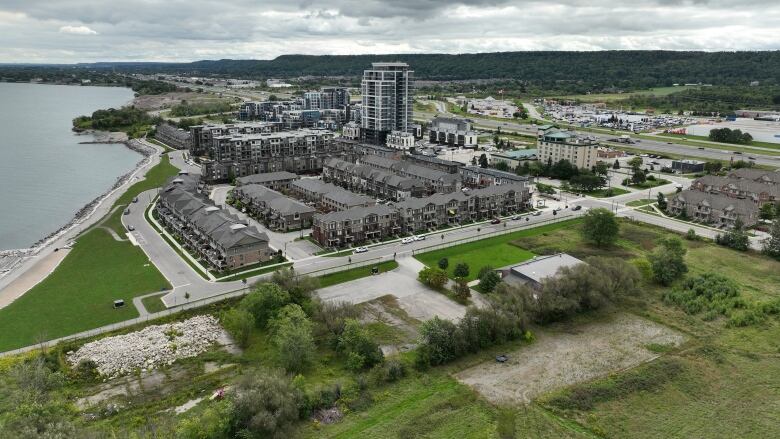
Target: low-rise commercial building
515	158
221	240
452	131
687	166
533	272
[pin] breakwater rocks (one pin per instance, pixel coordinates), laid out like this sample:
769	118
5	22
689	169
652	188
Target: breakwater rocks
150	347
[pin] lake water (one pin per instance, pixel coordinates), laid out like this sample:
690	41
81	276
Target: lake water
46	175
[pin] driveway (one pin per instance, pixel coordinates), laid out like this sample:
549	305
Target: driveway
419	301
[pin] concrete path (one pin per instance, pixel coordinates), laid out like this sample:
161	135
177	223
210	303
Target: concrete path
419	301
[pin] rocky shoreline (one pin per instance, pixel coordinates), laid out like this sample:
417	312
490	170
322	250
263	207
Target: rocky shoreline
85	212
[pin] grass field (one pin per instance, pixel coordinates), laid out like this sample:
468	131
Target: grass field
154	303
609	97
496	252
154	178
724	145
642	202
79	294
354	273
602	193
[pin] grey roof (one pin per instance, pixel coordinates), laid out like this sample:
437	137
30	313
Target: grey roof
742	185
355	213
498	189
756	174
542	267
437	199
288	206
495	173
717	202
314	185
267	177
348	198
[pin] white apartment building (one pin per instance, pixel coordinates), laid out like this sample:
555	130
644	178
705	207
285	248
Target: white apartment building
555	145
400	140
387	92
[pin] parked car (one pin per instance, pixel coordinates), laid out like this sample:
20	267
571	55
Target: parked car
701	147
737	152
517	218
538	213
419	237
576	208
127	211
408	240
135	199
361	249
130	228
495	221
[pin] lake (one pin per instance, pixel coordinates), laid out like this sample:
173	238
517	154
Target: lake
46	175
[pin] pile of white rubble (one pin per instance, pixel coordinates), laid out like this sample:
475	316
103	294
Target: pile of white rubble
150	347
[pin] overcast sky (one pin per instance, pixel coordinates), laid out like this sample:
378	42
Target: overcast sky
186	30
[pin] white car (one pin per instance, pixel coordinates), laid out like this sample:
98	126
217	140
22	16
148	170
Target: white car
407	240
419	237
361	249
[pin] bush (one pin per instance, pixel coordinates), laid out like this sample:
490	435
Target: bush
710	292
691	235
239	324
291	332
435	278
461	270
214	421
264	302
356	343
265	405
488	280
667	260
390	371
444	263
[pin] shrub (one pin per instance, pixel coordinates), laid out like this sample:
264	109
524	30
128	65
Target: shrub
356	343
488	281
239	324
435	278
264	302
691	235
265	405
667	260
444	263
708	292
291	332
461	270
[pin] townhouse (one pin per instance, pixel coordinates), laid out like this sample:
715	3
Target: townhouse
221	240
716	209
328	196
277	211
475	176
355	225
368	180
435	181
759	192
277	181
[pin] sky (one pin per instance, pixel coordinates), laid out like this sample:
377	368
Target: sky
68	31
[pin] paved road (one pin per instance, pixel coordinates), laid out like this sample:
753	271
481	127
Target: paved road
663	147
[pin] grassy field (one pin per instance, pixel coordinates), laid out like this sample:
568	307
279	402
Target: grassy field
154	178
642	202
154	303
496	252
602	193
609	97
757	143
79	294
354	273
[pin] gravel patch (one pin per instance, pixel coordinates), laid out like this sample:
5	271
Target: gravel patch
150	347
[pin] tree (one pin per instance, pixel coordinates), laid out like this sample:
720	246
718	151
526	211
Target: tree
298	286
600	227
635	163
661	200
439	344
767	211
264	405
264	302
444	263
435	278
616	165
462	290
502	166
601	168
238	323
712	167
361	349
667	260
545	188
461	270
772	245
587	182
735	238
483	161
488	279
638	177
291	332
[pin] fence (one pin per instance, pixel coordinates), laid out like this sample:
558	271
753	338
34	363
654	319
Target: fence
242	291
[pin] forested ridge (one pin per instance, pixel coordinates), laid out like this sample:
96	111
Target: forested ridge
630	69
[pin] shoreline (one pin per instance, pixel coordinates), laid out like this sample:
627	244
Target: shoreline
15	262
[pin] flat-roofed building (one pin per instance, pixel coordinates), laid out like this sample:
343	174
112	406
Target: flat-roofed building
475	176
452	131
536	270
201	136
387	94
555	145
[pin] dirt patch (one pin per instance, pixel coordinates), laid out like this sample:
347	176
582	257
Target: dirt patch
563	356
168	100
386	310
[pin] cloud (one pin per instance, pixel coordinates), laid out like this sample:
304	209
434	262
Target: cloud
188	30
77	30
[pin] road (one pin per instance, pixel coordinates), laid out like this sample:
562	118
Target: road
663	147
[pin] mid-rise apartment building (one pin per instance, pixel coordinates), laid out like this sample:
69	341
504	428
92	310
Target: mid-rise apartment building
555	145
300	151
452	131
202	136
387	93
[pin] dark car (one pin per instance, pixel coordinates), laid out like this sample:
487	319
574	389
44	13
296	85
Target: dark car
496	221
576	208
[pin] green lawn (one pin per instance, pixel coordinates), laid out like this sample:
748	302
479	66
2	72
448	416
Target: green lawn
603	192
354	273
154	178
650	184
154	303
496	252
79	294
642	202
756	143
608	97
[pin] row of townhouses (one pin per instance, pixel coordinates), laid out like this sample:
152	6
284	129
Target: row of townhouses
172	136
278	181
274	209
475	176
435	181
375	182
327	196
720	200
217	237
359	224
